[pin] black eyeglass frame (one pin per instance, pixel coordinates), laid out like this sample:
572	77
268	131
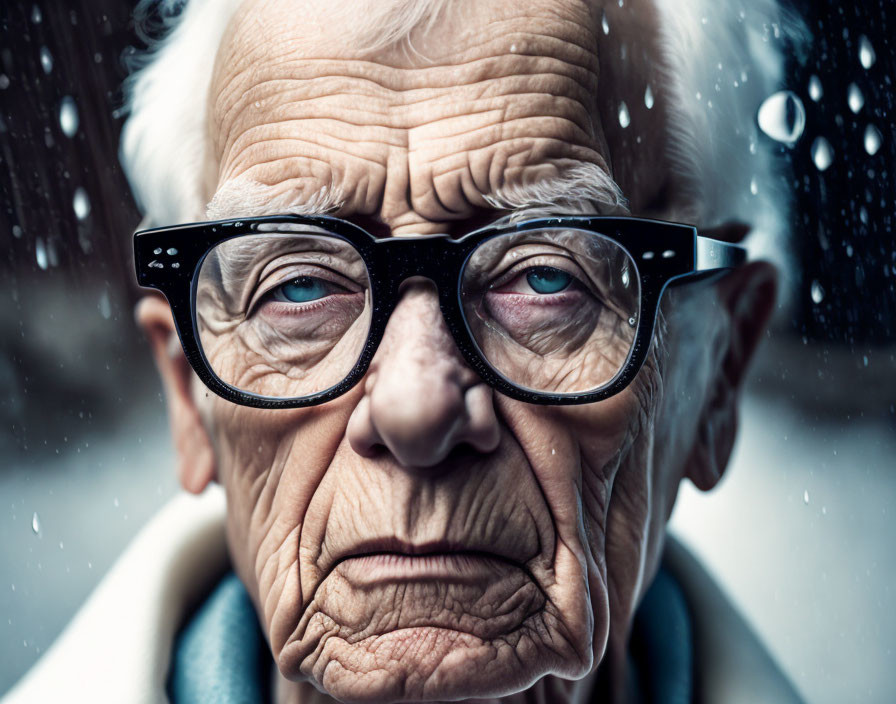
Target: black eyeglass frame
169	259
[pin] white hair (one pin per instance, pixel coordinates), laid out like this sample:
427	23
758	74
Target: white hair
721	60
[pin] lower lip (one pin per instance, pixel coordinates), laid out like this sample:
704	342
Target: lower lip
442	567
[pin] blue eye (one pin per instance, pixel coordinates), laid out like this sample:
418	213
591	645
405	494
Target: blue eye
546	279
303	289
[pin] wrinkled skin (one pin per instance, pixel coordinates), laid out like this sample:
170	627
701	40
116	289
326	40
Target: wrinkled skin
545	523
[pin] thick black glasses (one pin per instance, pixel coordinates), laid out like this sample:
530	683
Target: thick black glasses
287	311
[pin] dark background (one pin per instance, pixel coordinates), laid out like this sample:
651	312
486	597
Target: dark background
80	405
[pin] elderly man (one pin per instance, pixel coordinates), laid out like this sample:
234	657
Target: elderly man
448	383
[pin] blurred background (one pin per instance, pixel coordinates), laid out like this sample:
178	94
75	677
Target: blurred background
799	533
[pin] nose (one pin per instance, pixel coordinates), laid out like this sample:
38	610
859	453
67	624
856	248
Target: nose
421	400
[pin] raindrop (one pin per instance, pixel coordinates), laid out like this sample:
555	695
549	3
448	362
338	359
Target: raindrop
604	24
624	118
46	60
854	98
872	139
36	16
822	153
648	98
35	523
866	52
782	117
81	204
806	497
40	253
754	187
817	292
105	306
68	116
815	89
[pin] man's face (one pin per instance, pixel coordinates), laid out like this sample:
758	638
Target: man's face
423	537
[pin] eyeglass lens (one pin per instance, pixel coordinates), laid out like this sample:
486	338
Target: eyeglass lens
287	314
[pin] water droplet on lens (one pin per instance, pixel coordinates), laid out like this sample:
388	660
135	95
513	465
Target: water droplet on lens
873	139
16	231
854	98
806	497
68	116
866	52
4	81
46	60
36	16
604	24
815	89
105	305
782	117
40	253
754	187
35	523
81	204
648	98
817	292
624	118
822	153
863	215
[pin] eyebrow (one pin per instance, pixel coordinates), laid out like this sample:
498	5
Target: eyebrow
582	189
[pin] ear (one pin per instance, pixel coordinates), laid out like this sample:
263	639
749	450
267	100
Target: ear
747	298
196	459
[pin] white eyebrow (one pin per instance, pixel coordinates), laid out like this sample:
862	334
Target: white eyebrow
245	198
582	189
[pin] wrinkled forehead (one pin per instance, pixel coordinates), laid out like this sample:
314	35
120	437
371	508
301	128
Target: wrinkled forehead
482	95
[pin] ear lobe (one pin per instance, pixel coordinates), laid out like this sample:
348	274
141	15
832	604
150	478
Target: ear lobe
196	459
747	296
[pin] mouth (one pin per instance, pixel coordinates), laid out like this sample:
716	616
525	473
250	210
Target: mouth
392	560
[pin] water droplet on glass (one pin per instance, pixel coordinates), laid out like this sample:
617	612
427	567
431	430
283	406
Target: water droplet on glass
648	98
815	89
81	204
4	81
624	118
35	523
873	139
157	251
171	251
553	451
46	60
822	153
40	253
631	321
604	24
36	16
16	231
817	292
68	116
863	215
854	98
625	278
754	187
866	52
105	305
806	497
115	502
782	117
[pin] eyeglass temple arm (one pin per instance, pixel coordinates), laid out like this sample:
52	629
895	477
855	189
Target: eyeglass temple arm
714	254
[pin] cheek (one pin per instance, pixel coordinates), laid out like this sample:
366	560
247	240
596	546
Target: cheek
271	464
